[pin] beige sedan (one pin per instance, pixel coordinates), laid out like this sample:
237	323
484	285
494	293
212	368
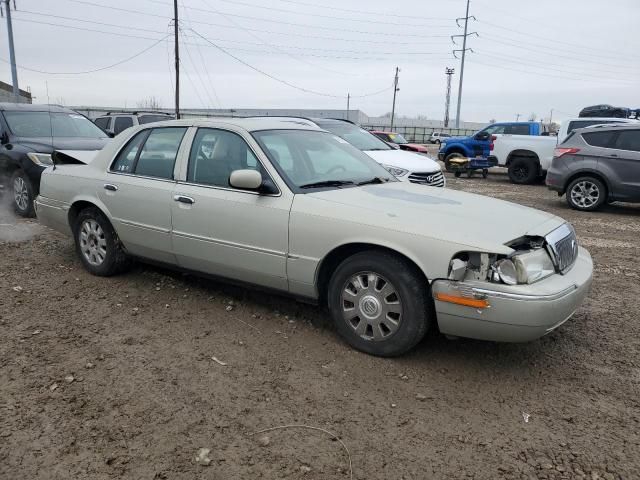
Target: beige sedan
290	207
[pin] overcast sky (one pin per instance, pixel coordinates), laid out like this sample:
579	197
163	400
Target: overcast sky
530	56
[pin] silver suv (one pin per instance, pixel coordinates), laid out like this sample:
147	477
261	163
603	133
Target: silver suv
596	165
113	123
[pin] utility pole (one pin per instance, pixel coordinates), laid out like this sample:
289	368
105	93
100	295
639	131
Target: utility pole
12	53
551	119
395	90
517	117
348	100
464	51
448	72
177	57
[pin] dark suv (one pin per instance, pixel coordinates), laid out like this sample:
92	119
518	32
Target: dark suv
28	136
596	165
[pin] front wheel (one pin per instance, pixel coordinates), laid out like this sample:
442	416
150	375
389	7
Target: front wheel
448	158
379	303
586	194
98	245
23	194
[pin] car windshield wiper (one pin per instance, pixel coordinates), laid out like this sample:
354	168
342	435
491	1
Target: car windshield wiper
374	180
327	183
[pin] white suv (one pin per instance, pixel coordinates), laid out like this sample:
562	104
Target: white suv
438	137
114	123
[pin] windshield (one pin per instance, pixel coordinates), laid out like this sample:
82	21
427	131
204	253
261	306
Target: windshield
306	157
44	124
397	138
356	136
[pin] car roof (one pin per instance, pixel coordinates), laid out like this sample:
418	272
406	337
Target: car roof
29	107
251	124
609	126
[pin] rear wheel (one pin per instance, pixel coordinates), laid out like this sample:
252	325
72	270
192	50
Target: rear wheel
586	194
379	303
448	158
98	245
523	170
23	194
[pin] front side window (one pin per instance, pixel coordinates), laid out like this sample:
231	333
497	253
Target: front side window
151	153
312	157
494	129
57	125
122	123
356	136
628	140
217	153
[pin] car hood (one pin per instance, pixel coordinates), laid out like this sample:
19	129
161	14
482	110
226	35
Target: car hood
480	222
44	144
410	161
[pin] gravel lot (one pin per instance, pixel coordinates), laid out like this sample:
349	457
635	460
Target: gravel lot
114	378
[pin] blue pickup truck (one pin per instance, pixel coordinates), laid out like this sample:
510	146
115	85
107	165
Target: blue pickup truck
479	144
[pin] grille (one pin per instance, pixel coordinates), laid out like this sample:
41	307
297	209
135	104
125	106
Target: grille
433	179
564	247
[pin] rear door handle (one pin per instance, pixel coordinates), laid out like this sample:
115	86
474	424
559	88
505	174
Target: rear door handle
184	199
614	155
110	187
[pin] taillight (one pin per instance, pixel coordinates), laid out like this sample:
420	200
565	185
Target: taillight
493	139
559	152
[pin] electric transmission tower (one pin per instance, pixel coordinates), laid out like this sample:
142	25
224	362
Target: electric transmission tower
448	72
463	50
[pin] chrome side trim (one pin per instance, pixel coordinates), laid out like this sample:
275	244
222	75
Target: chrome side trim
142	225
229	244
523	297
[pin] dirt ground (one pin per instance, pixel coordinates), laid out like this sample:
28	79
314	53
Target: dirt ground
114	378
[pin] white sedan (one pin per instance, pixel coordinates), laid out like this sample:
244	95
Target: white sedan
294	208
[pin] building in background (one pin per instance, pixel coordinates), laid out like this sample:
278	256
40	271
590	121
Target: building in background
6	94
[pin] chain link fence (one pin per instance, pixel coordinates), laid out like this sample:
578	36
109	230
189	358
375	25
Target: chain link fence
421	134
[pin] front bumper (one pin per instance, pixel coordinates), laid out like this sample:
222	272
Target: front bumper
518	313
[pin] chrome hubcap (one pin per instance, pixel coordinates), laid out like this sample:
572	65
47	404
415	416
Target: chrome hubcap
93	244
20	193
585	194
371	306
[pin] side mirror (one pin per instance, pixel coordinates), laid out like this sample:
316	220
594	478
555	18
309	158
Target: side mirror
245	179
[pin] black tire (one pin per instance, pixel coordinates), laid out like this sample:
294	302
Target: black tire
22	198
485	173
410	290
523	170
112	259
447	160
469	173
586	194
438	142
457	174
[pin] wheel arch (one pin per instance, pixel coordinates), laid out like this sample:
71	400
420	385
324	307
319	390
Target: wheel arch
523	153
82	203
333	258
588	173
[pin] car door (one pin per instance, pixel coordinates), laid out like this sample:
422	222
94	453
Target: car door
624	163
138	191
224	231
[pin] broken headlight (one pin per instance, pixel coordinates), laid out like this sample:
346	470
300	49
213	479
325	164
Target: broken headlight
523	267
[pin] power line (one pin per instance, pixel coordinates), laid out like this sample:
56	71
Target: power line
301	25
279	80
95	69
210	102
118	34
362	11
307	14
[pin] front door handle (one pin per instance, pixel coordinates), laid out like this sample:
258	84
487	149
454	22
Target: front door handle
110	187
615	155
184	199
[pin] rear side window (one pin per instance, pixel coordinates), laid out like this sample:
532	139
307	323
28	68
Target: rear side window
102	122
142	119
599	139
122	123
151	153
628	140
517	129
585	123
